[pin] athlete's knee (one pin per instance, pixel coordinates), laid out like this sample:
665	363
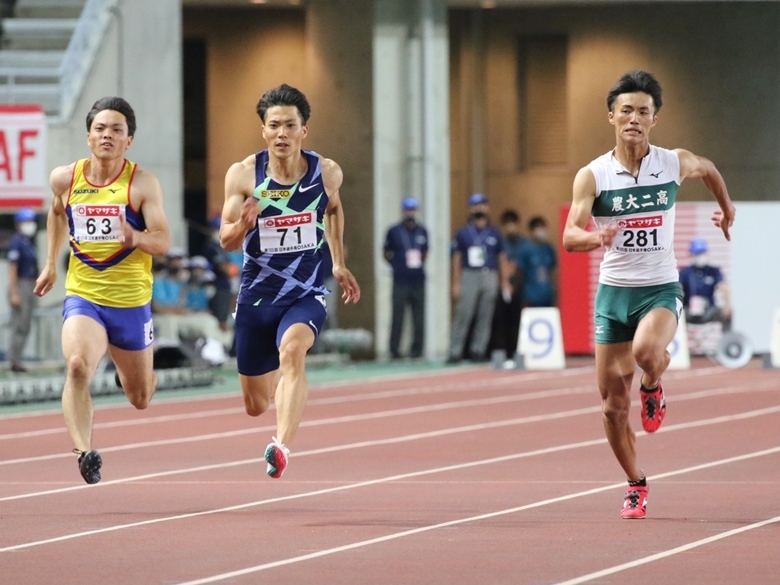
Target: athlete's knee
616	411
141	400
649	357
256	405
78	368
292	352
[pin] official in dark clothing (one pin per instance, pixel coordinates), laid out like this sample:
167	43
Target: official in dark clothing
22	273
406	247
479	268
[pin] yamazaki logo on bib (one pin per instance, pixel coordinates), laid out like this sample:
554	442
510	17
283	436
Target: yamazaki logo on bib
641	222
98	210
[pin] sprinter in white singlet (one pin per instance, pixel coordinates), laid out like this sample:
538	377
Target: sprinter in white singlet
630	192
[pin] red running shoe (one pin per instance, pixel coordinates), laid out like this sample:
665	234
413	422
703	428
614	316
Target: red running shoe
635	504
276	455
653	407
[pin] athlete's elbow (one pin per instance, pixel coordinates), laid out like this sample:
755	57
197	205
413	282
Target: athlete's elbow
569	242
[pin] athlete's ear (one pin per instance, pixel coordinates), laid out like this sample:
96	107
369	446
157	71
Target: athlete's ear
611	118
262	131
305	132
129	142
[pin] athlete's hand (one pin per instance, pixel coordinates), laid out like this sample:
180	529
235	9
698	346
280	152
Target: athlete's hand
724	219
14	298
348	284
126	233
455	291
46	280
249	211
607	235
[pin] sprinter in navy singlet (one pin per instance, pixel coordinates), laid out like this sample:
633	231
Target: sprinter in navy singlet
281	205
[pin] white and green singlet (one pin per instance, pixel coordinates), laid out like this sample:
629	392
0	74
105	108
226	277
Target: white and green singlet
642	253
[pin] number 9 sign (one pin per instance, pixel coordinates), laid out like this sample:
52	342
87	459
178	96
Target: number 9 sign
541	341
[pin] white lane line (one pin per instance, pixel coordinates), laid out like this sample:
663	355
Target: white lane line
420	390
587	389
422	529
668	553
333	449
324	387
329	421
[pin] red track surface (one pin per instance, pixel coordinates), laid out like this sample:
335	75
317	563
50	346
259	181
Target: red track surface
465	476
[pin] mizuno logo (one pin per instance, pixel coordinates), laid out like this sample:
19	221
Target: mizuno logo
656	174
302	189
113	190
599	329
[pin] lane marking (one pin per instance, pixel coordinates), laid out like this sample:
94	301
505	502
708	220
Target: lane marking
393	478
326	386
668	553
422	529
317	422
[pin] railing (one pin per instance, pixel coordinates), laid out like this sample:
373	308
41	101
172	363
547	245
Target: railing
82	50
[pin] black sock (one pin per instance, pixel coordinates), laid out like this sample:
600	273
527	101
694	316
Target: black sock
639	482
644	388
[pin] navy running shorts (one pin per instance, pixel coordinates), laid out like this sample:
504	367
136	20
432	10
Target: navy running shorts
259	330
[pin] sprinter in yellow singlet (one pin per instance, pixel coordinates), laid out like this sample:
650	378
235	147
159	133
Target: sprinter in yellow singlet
112	213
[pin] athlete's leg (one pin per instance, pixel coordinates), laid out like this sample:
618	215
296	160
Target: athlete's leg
653	335
136	373
293	388
615	371
84	343
258	391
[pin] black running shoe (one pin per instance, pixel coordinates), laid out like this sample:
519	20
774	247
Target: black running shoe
90	463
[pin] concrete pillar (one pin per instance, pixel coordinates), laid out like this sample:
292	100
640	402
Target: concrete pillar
411	150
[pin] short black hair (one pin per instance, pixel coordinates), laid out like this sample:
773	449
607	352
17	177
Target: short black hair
633	82
537	221
284	95
510	216
118	105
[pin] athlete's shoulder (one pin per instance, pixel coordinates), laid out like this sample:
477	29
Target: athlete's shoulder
61	177
332	175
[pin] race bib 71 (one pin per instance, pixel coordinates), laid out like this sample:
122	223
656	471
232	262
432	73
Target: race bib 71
282	234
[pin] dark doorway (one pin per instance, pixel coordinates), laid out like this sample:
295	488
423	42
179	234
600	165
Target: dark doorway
195	144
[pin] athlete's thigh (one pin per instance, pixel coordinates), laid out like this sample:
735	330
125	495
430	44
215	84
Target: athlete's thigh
656	329
257	351
615	367
258	391
135	366
84	337
302	322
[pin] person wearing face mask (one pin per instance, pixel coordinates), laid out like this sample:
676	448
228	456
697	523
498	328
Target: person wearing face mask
406	247
479	269
706	295
22	272
537	265
506	318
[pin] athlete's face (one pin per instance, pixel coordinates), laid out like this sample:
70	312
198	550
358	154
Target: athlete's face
284	131
632	115
108	137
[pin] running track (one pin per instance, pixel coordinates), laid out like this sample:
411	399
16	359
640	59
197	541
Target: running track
458	476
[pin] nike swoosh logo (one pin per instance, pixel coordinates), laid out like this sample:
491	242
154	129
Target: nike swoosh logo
656	174
302	189
315	327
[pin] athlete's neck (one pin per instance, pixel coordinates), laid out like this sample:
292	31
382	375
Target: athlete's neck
103	172
287	171
631	155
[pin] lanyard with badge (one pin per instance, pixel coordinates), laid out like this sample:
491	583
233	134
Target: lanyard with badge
413	255
476	254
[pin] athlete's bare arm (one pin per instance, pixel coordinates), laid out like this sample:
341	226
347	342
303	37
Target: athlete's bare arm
576	237
146	196
334	230
698	167
56	227
239	212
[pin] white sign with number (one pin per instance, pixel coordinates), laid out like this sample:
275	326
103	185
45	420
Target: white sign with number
541	340
97	223
678	348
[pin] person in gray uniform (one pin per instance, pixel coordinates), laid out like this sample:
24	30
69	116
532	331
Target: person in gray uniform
479	268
